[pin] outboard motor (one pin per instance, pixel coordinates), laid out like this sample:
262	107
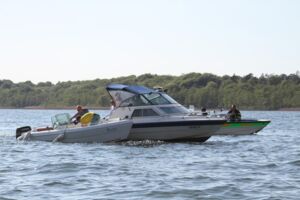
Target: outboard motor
21	130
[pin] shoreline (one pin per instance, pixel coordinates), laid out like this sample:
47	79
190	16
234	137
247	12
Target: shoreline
56	108
108	108
289	109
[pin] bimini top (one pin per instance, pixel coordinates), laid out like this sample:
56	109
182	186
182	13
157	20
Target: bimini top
136	89
135	95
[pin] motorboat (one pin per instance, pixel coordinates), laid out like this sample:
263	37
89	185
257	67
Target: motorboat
91	131
157	116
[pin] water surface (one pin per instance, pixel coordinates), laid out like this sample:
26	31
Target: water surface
263	166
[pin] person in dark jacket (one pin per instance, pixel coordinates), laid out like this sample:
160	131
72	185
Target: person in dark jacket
80	112
234	114
204	112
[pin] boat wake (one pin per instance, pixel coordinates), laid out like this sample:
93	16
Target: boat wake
143	143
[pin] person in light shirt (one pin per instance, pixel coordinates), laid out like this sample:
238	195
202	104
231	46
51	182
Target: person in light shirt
113	104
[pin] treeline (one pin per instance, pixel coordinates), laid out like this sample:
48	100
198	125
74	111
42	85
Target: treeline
201	90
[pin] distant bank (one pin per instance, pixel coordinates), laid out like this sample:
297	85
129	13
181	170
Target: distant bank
289	109
107	108
267	92
56	108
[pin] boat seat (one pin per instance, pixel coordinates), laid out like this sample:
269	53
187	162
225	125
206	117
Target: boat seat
95	119
90	118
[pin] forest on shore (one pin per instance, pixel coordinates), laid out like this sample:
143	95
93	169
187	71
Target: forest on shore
268	92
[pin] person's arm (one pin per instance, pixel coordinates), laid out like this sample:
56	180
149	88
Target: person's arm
75	116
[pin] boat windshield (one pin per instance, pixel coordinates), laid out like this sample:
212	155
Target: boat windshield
159	98
61	119
137	100
148	99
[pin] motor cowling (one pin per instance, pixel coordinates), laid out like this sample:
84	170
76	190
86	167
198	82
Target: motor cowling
21	130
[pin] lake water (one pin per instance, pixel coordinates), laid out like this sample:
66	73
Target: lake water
263	166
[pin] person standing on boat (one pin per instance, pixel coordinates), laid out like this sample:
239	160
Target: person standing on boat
113	104
204	112
234	114
80	112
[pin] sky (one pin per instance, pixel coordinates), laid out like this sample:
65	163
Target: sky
61	40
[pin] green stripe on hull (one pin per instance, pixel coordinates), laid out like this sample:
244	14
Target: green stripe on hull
245	124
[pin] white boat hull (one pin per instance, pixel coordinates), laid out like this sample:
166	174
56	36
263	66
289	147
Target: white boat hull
104	132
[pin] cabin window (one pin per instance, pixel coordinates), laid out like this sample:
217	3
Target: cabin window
174	110
144	113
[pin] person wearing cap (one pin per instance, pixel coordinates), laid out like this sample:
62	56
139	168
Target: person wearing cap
234	114
80	112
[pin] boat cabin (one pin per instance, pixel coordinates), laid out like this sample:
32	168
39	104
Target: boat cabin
139	101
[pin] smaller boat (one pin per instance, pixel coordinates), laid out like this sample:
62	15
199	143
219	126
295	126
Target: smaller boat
91	131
